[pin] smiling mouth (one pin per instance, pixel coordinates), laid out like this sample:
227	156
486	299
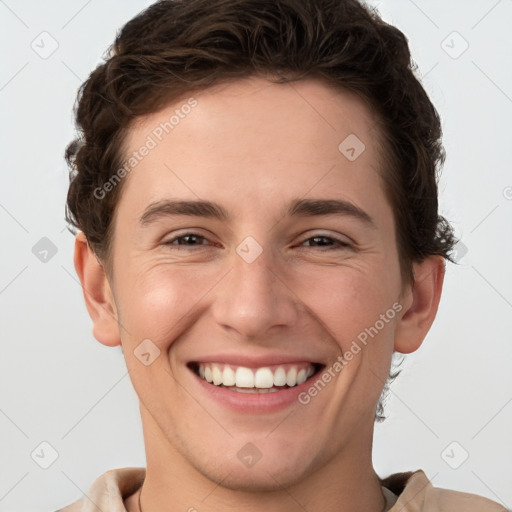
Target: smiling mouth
265	379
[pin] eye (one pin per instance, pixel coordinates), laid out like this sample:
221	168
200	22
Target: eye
192	240
330	243
187	240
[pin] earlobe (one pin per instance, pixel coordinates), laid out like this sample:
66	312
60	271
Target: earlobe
97	294
420	304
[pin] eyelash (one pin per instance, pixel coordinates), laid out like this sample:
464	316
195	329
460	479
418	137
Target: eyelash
341	244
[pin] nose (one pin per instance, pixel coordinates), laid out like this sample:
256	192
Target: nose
253	298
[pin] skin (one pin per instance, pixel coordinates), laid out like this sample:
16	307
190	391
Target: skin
252	147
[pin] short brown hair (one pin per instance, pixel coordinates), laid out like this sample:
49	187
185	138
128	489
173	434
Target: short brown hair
177	46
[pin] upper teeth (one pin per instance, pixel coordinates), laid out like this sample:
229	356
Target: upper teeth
265	377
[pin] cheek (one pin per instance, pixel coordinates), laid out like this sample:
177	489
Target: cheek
161	302
346	300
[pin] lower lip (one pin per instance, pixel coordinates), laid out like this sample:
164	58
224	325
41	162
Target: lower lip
254	402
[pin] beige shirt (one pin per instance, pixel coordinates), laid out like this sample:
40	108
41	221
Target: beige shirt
404	492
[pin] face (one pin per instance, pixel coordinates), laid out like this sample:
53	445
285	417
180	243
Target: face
254	246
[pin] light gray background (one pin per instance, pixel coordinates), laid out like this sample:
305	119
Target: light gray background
60	386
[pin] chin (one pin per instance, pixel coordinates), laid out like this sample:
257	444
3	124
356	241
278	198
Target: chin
260	479
279	465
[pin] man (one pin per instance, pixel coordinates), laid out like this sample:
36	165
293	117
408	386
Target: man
255	191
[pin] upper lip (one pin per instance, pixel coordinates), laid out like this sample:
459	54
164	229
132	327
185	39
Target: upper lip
255	361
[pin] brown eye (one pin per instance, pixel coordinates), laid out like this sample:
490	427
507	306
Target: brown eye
188	240
326	241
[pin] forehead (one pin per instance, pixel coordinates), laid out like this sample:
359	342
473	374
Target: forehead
258	140
309	110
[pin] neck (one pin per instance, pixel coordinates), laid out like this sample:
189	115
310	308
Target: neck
346	483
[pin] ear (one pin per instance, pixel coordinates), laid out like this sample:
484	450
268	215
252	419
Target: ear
420	303
98	296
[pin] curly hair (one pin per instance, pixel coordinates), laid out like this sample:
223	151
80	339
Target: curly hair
176	47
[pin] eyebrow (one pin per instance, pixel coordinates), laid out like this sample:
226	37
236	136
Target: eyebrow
208	209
